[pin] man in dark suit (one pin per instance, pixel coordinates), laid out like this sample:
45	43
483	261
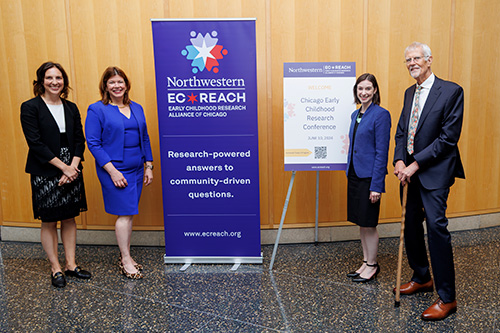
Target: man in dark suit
427	160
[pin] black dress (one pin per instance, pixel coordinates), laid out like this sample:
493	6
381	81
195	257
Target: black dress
360	209
51	202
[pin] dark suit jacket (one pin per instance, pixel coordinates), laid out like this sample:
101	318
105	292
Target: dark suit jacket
371	146
437	134
43	136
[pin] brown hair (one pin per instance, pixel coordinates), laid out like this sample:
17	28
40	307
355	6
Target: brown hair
39	89
108	73
373	80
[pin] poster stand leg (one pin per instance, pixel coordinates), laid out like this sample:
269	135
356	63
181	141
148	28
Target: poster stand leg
285	207
317	209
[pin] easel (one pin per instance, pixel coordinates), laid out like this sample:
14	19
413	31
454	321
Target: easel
283	214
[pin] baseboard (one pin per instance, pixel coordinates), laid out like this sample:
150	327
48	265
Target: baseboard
288	235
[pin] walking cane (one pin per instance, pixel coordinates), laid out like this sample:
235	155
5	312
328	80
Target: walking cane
401	242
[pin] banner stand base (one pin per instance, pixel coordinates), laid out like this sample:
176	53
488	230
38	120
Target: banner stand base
188	261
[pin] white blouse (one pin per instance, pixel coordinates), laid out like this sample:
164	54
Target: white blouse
58	114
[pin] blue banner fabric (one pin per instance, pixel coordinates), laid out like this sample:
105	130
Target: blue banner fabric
207	112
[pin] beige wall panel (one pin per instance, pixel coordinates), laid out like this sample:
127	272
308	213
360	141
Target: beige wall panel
483	130
465	195
85	39
16	199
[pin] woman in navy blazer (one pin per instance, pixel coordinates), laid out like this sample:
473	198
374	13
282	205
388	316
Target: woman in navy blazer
118	139
369	136
53	130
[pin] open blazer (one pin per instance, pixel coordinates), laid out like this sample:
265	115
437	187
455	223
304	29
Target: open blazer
437	134
106	133
371	147
42	135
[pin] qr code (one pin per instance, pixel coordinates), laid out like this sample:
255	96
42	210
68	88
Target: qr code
320	153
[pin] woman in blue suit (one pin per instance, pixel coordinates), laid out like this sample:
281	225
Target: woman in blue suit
369	137
118	138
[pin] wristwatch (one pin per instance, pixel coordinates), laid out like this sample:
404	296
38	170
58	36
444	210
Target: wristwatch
150	167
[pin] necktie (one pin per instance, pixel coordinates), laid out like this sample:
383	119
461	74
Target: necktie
413	121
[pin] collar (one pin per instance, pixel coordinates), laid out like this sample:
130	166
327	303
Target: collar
427	84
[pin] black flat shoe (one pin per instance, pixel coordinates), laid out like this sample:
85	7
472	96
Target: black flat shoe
360	279
78	273
58	280
354	274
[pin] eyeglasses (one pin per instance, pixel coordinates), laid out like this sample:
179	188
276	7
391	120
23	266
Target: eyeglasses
416	59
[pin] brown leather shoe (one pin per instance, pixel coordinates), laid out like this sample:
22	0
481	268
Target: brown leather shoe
439	310
413	287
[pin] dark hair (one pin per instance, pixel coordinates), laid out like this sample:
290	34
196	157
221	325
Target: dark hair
108	73
39	89
373	80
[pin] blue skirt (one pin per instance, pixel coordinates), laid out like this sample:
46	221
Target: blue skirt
124	201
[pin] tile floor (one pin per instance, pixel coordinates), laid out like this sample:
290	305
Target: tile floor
306	292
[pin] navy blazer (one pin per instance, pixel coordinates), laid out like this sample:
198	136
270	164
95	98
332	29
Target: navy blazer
43	136
106	133
437	134
371	147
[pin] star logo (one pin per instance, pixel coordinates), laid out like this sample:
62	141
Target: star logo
192	98
204	52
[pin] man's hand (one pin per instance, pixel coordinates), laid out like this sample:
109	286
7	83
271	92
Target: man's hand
403	172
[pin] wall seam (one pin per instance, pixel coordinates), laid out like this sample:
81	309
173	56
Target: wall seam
452	38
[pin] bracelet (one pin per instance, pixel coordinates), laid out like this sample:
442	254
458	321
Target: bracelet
149	166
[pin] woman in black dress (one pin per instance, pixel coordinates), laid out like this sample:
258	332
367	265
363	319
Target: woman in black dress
53	130
369	137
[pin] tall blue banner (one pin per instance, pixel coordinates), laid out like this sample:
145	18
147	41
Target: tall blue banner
207	110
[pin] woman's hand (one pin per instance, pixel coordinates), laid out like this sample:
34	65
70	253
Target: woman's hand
116	176
118	179
148	176
374	196
70	173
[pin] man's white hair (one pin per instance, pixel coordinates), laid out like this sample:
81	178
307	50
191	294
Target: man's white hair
425	48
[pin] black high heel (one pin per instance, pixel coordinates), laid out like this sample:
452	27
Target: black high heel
360	279
354	274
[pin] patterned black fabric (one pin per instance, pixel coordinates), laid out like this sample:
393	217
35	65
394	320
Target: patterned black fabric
51	202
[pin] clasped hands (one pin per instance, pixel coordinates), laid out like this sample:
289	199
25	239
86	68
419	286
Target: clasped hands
70	173
404	172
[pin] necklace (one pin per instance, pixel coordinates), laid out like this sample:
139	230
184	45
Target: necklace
120	107
358	118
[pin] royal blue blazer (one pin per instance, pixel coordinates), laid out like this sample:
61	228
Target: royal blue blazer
371	147
106	134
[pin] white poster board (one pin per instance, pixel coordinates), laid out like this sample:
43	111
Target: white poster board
318	102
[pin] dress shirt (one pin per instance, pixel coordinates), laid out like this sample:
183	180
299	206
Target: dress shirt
424	93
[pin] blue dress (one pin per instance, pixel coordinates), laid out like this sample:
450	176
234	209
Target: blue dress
125	201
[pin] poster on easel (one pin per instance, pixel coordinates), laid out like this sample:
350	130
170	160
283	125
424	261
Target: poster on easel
318	102
207	113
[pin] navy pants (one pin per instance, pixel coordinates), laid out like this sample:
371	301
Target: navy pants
430	204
